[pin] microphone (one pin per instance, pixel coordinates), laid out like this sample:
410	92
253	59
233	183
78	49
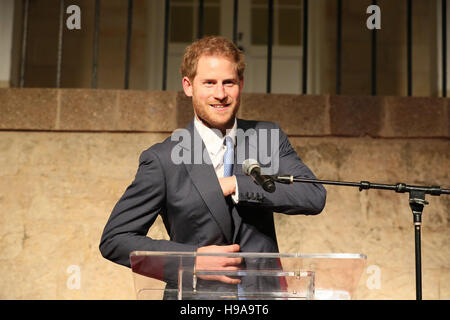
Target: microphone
252	168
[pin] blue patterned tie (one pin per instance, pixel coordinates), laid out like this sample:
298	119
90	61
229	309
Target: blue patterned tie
228	158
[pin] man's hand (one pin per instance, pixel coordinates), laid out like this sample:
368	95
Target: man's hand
204	263
228	185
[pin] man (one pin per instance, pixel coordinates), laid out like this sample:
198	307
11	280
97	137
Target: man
204	209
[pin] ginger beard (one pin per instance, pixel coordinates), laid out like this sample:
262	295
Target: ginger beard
215	92
213	116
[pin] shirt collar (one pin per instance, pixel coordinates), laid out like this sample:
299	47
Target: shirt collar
213	138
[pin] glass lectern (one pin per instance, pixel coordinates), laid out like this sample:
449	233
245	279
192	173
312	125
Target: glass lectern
174	275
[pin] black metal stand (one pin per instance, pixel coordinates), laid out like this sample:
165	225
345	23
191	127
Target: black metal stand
416	202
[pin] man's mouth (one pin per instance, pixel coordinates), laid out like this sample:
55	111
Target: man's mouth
220	106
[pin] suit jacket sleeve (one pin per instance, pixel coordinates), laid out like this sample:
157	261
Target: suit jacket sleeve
135	212
296	198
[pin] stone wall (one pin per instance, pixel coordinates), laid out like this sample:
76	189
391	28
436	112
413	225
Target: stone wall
66	156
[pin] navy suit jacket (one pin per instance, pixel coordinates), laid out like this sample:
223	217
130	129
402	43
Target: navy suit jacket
191	203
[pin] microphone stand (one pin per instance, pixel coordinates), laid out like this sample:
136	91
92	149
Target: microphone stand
416	202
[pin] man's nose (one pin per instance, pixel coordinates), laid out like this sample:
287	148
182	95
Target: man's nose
220	92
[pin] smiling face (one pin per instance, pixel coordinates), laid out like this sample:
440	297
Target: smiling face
215	91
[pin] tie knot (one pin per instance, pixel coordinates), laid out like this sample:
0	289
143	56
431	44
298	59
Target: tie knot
229	142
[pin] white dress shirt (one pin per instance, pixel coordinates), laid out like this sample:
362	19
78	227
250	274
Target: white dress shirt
214	143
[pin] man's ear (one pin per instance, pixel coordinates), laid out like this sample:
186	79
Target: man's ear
241	84
187	86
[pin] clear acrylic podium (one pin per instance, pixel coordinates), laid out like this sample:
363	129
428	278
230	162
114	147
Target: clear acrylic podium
172	275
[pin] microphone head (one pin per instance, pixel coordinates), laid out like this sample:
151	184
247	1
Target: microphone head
248	165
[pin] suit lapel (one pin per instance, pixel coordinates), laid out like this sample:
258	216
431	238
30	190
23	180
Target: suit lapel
205	180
